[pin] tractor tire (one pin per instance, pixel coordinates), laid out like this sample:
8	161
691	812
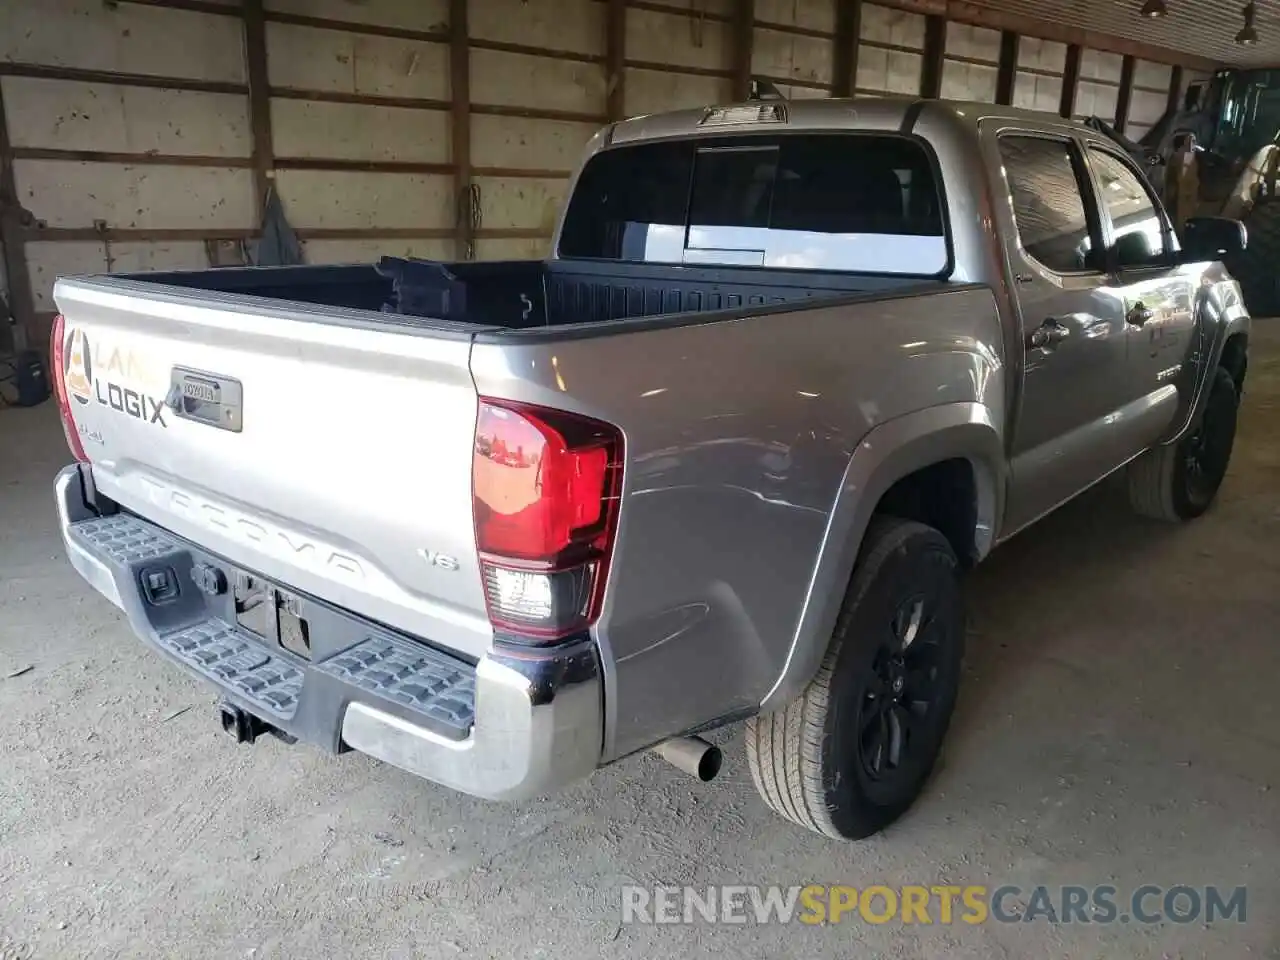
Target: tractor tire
1257	267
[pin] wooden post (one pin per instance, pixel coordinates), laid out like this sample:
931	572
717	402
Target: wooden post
1126	93
255	48
466	213
615	57
1007	71
1070	78
935	42
744	28
845	56
13	241
1175	89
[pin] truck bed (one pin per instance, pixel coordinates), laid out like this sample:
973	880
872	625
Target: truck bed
524	294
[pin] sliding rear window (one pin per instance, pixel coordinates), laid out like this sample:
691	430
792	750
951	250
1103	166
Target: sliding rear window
853	202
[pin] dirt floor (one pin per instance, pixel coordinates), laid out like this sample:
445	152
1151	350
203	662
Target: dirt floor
1119	725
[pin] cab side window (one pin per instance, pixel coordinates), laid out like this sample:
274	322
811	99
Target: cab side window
1136	228
1048	203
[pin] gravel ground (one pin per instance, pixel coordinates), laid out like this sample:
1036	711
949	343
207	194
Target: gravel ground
1118	725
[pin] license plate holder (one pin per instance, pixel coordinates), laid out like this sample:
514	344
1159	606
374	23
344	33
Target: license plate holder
272	613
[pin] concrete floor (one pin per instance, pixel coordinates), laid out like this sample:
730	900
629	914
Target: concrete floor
1119	724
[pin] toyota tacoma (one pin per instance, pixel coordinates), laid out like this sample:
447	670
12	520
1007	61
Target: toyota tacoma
724	455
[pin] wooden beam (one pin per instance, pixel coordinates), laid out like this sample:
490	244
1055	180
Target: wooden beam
255	47
466	209
144	235
1175	89
356	26
1126	93
687	69
935	42
794	29
744	28
363	166
1007	71
133	159
426	233
364	99
194	6
615	58
680	11
529	50
12	240
792	81
135	234
536	113
1070	79
40	71
845	55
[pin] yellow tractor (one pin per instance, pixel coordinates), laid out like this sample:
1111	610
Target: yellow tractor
1217	156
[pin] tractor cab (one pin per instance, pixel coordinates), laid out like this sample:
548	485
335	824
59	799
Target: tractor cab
1216	155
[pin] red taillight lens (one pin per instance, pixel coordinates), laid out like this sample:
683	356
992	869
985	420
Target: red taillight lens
545	488
58	363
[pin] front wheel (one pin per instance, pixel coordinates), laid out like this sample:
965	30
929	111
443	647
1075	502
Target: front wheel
853	752
1180	481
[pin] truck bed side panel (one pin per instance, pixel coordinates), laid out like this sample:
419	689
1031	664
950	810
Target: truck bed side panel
738	434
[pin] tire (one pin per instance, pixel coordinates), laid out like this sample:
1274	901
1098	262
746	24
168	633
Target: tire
1255	267
815	762
1179	481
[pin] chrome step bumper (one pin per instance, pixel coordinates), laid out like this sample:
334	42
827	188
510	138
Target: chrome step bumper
507	727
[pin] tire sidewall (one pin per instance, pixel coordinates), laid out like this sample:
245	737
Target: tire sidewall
859	806
1223	403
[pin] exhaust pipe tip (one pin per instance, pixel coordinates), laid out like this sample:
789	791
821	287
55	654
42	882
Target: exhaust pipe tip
693	755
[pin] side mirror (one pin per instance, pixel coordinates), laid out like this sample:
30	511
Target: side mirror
1133	250
1212	238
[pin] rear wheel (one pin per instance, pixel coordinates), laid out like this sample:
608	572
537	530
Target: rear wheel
852	753
1180	481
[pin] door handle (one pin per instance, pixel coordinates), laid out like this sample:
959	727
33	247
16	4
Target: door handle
1048	334
1139	314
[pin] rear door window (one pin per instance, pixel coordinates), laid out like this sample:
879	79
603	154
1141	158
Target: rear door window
862	203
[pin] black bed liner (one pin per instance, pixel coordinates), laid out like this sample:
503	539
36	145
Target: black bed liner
530	294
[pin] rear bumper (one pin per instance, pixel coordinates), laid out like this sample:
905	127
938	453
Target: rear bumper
508	727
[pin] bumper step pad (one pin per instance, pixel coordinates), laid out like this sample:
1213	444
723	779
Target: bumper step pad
376	666
229	657
122	539
411	675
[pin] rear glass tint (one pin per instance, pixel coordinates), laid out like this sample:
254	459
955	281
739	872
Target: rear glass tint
807	201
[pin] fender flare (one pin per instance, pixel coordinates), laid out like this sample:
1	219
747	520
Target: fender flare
1224	320
888	453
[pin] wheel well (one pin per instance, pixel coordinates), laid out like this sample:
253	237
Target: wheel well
944	496
1235	358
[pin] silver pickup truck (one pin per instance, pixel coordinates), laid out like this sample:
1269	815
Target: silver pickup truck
725	455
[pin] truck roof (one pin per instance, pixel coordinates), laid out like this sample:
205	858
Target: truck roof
856	113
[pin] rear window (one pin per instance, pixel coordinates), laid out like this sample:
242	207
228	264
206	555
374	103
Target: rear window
858	202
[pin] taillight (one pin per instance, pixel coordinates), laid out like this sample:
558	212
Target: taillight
545	489
58	361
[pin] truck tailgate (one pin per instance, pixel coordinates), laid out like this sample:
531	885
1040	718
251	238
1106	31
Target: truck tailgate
327	450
